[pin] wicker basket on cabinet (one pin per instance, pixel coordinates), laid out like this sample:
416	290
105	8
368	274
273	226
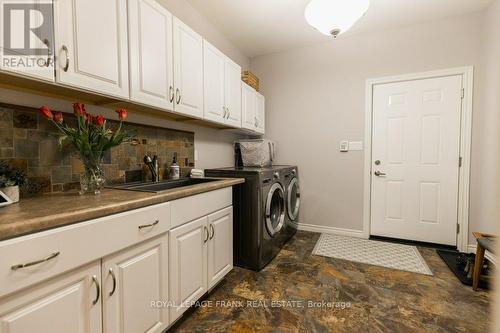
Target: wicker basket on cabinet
250	79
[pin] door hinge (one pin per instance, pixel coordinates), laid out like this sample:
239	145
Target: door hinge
458	228
463	93
460	162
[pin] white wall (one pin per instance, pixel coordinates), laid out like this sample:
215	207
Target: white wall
485	181
315	97
486	201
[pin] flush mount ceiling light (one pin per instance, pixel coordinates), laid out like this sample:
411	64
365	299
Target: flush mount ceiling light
333	17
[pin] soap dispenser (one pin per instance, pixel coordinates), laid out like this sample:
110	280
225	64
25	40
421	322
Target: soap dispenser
174	169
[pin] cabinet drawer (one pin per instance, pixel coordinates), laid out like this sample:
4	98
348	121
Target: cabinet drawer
76	244
190	208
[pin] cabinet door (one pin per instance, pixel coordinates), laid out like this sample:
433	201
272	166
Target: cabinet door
132	279
91	45
20	60
260	113
220	245
151	57
248	105
61	305
188	265
233	93
213	87
188	70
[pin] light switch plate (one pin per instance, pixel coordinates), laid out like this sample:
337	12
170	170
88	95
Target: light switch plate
344	146
356	145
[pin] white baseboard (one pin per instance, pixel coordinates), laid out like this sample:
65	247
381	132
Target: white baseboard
330	230
488	255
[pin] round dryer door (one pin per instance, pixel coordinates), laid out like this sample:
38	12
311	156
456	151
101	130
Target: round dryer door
293	199
275	209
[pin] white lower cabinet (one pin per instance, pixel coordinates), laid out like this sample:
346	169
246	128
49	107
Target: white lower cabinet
201	254
132	280
68	303
220	245
140	280
188	265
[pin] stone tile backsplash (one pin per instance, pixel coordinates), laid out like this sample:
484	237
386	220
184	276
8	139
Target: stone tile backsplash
27	143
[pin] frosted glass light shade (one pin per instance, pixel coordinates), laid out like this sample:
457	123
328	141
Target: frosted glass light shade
333	17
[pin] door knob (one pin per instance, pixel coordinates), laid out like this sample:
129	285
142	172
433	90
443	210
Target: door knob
379	174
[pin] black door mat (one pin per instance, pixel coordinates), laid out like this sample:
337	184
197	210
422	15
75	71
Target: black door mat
458	263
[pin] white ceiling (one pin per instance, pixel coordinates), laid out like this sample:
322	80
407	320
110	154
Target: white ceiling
261	27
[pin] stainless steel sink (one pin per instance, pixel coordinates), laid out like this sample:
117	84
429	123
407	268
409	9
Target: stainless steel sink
161	186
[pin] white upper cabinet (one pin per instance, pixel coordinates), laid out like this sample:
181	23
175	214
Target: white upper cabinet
214	63
233	93
188	70
260	113
222	87
253	109
248	107
150	54
91	45
43	40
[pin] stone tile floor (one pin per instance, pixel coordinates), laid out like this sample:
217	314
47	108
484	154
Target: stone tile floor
363	298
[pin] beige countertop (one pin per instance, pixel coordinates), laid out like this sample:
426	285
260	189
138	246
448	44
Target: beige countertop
55	210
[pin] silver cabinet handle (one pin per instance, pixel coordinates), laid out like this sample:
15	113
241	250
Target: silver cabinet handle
171	94
213	231
36	262
114	281
66	51
379	174
225	112
98	290
228	113
179	96
206	234
256	122
149	225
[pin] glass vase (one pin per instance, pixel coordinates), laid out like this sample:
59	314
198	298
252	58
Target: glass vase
92	179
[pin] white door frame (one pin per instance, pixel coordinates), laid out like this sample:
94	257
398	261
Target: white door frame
465	145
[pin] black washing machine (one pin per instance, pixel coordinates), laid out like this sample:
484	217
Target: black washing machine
260	226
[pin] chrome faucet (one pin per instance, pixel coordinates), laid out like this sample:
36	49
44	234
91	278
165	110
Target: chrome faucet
152	163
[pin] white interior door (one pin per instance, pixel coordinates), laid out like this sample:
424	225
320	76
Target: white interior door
151	54
415	159
91	45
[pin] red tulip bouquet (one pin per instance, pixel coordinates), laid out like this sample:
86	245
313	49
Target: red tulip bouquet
91	137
